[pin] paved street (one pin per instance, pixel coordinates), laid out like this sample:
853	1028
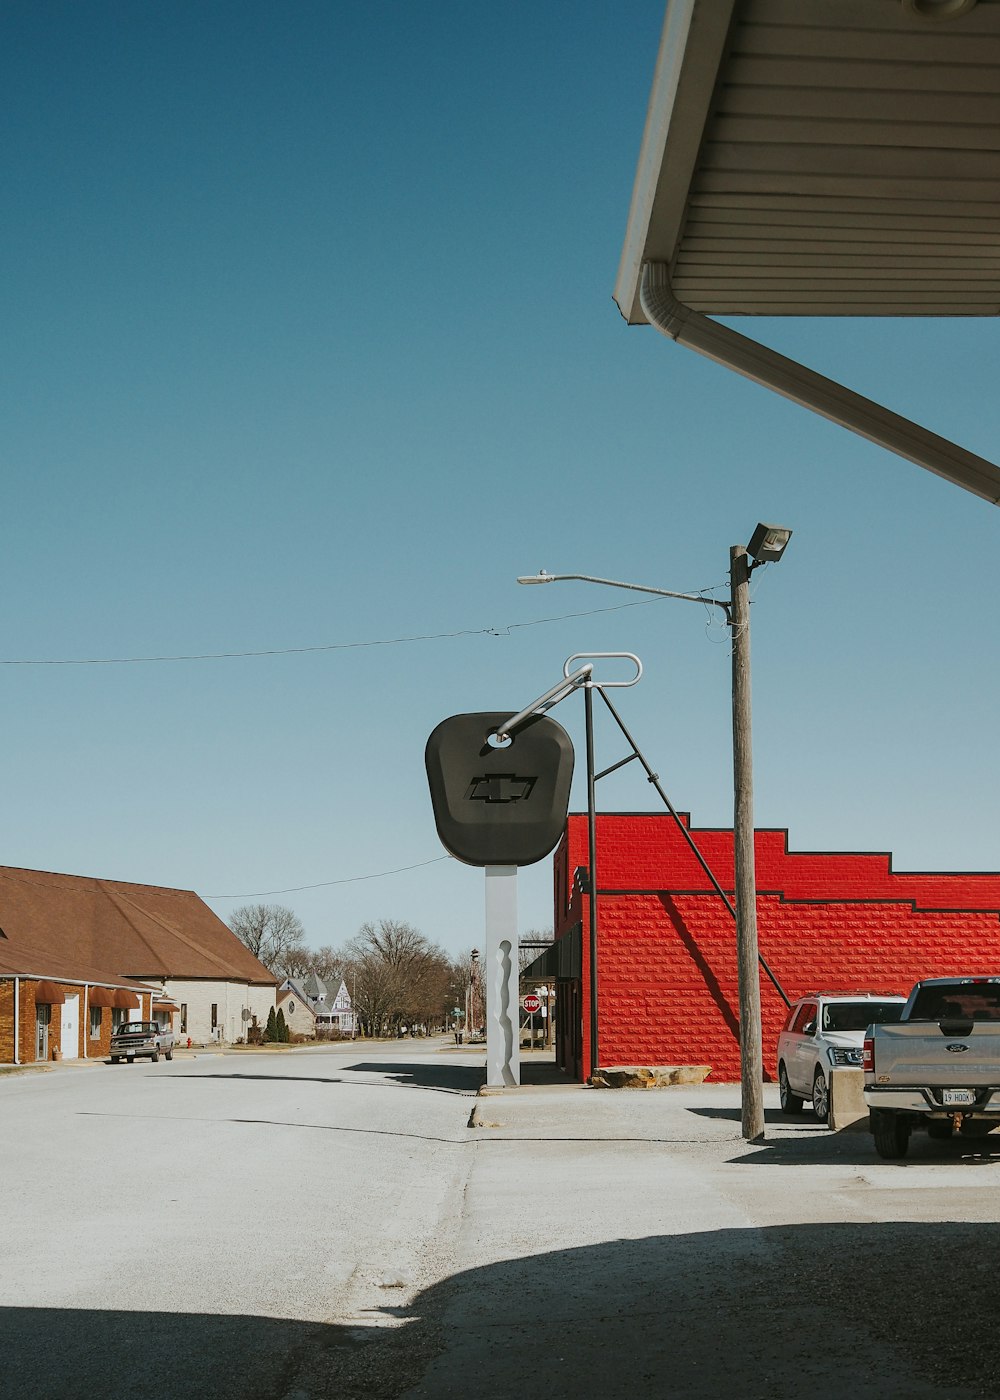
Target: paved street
318	1222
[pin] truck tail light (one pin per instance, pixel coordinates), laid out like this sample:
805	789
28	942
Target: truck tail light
868	1054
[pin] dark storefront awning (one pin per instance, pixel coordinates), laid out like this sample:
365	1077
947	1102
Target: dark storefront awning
159	1004
49	993
125	1000
562	962
102	996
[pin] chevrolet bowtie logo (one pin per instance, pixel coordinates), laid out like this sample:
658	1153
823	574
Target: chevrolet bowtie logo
500	787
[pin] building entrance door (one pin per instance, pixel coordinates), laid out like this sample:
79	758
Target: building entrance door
43	1015
69	1034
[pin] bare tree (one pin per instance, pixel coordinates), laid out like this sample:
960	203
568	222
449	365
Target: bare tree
328	964
526	956
396	975
274	935
295	961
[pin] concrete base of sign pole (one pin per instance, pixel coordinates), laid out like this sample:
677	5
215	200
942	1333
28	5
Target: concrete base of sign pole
500	973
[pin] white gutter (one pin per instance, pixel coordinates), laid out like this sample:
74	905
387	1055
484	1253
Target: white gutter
17	1020
804	386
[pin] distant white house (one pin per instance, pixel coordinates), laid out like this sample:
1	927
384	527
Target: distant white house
339	1015
312	1008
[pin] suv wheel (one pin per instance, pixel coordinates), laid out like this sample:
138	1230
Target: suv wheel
155	1057
790	1103
821	1096
891	1133
168	1054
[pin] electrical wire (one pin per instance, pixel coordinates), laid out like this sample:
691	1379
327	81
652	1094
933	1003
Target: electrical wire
503	631
325	884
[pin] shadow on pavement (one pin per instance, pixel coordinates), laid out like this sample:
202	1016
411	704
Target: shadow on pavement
765	1314
771	1115
419	1074
451	1079
857	1146
416	1074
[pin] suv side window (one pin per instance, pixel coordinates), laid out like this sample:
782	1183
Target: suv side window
806	1013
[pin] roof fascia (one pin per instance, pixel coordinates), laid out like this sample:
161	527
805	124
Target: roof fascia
125	986
805	387
691	50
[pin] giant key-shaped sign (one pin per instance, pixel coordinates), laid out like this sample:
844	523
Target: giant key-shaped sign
499	804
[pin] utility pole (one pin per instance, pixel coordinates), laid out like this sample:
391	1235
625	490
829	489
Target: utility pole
751	1060
767	545
588	696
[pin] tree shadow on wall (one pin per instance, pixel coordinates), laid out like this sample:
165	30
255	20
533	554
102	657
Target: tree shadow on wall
755	1314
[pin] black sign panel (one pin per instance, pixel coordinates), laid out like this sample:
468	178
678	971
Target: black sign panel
499	806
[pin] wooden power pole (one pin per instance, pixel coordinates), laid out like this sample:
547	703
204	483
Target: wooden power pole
751	1059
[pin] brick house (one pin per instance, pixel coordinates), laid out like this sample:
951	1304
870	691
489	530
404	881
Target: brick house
54	1008
666	953
72	947
300	1017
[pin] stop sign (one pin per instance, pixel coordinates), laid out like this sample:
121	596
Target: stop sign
531	1003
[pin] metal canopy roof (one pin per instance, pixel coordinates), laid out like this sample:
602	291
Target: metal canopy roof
820	158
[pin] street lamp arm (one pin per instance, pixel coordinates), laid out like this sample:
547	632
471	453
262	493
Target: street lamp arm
633	587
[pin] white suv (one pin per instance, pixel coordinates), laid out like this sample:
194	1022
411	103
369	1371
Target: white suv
823	1031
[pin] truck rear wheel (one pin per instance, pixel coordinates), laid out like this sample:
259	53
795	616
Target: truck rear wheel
169	1054
891	1133
155	1057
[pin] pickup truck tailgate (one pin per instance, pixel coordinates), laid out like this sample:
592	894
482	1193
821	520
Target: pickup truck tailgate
927	1054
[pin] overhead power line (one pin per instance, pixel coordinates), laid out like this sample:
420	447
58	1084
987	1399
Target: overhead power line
503	631
325	884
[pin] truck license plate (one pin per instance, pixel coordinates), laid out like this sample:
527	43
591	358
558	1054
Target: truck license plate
950	1096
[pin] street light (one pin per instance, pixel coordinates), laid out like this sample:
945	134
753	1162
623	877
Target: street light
767	545
471	1010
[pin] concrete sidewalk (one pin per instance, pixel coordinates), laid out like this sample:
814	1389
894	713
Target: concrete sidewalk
631	1243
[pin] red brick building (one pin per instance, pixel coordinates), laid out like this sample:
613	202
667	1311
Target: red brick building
667	989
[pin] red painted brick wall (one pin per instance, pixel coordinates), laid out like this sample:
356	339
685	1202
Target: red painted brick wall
839	921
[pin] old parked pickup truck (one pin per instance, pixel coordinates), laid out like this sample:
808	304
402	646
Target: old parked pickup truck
938	1067
142	1038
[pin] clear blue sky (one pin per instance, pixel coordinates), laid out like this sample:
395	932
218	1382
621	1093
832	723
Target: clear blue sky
308	340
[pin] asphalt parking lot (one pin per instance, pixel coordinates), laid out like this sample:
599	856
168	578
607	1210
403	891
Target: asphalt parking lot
356	1222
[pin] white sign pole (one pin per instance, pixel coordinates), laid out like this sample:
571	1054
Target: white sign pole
503	1062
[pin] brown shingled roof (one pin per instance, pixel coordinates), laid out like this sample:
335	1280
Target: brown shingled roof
74	921
26	959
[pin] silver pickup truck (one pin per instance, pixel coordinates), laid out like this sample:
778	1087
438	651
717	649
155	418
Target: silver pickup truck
138	1038
938	1067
